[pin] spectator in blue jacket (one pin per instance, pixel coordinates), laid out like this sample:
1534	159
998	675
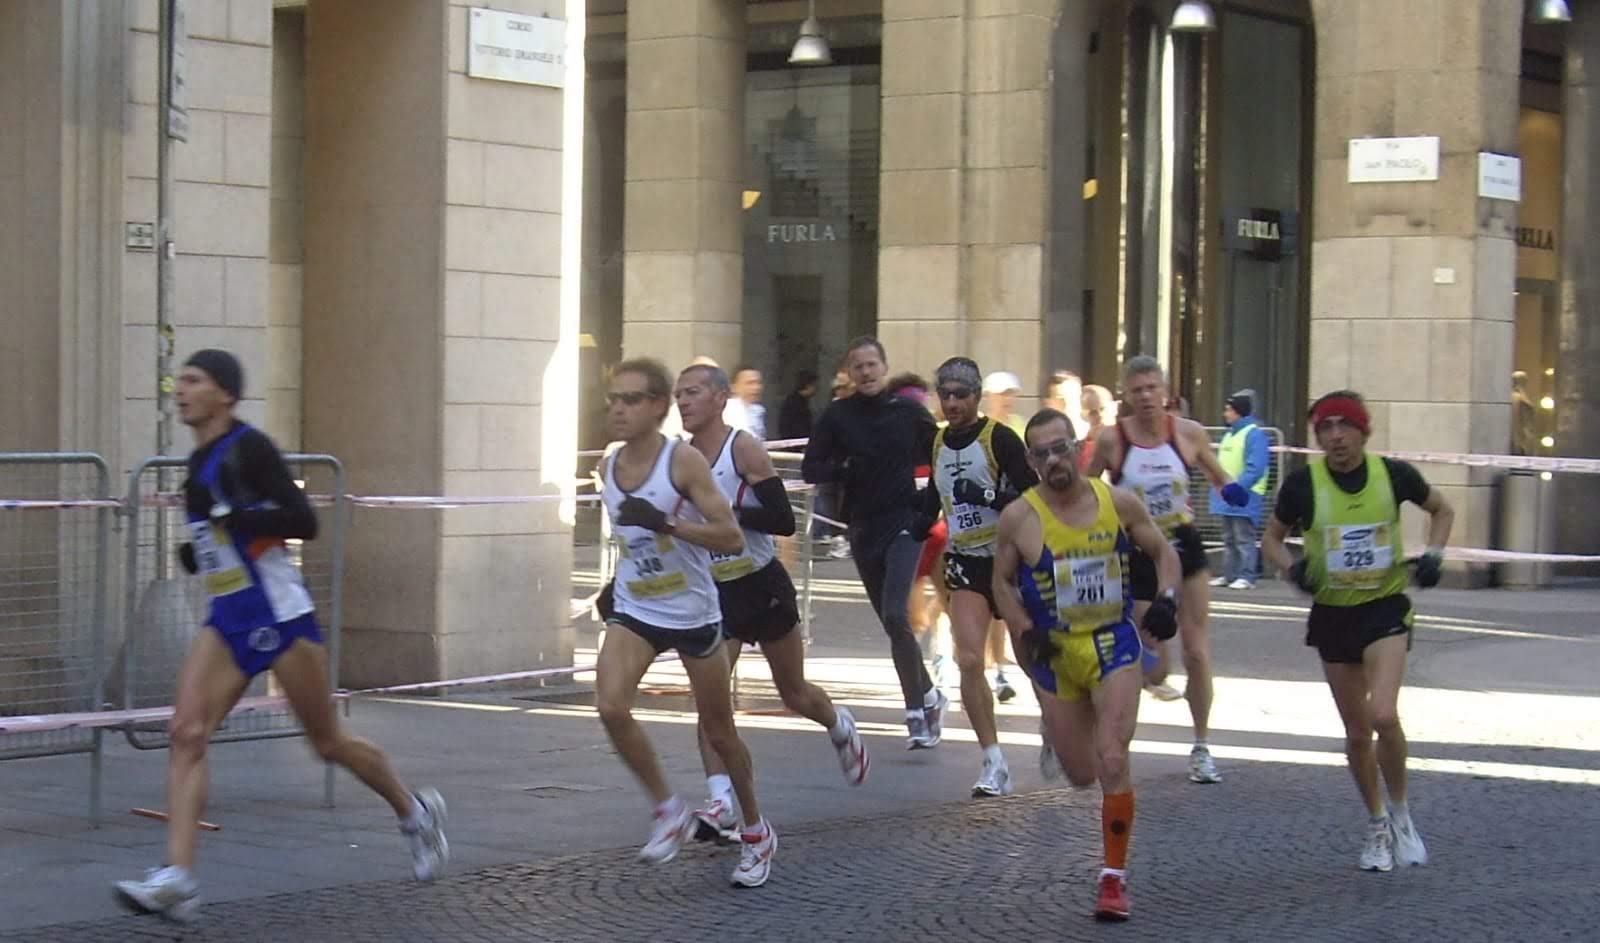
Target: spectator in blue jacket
1243	453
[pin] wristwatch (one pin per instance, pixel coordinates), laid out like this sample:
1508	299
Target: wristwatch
988	496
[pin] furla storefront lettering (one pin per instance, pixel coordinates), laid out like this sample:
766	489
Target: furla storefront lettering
801	232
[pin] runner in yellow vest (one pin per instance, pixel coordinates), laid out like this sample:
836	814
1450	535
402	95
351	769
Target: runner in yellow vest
1347	504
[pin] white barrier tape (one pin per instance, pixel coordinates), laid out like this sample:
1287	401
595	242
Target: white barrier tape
30	505
88	720
1582	466
462	501
1484	555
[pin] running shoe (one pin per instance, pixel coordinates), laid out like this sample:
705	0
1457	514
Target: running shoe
1241	583
917	737
1219	581
1162	691
853	759
755	858
667	835
1408	847
935	716
1378	855
716	822
995	780
1202	769
430	850
1003	691
840	549
168	892
1049	763
1113	902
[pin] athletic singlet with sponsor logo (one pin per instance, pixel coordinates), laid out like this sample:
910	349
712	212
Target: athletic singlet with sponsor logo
972	526
661	581
757	552
1080	581
252	581
1158	476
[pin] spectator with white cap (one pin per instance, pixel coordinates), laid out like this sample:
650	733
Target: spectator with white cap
1001	388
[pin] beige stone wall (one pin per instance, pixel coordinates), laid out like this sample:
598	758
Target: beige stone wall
1411	296
683	271
966	105
503	571
286	234
220	204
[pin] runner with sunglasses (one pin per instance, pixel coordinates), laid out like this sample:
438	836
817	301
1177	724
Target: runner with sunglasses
979	467
1347	504
1062	580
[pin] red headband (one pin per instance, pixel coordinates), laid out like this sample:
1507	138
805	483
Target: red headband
1345	407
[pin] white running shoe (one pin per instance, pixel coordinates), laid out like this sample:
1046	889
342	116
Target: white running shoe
755	858
917	732
1049	764
1202	769
1003	691
935	717
430	850
1378	855
1219	581
840	549
667	835
1408	847
1163	691
853	759
995	780
169	892
717	822
1241	583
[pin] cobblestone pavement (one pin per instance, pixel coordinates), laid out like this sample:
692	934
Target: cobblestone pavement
1268	855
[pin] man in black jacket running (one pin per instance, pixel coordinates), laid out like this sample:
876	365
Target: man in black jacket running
871	443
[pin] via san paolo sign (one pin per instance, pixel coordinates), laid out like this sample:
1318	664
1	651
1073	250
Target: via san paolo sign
1394	160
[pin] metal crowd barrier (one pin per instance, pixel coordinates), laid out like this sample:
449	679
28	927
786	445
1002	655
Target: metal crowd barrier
165	606
1210	525
56	517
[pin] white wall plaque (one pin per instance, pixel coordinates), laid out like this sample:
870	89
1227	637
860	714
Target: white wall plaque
512	48
1394	160
1499	177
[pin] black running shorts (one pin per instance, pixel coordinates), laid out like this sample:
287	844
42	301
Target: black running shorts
1191	554
760	607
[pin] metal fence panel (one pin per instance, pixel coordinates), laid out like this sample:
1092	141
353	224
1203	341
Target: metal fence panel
165	607
56	516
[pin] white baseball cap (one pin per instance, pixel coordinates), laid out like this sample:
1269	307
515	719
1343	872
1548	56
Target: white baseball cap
1001	381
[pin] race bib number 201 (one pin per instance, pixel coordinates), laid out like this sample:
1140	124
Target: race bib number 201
1084	583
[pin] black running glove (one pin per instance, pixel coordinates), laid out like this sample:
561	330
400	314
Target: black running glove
1161	619
1428	568
1300	576
637	512
1036	647
967	491
187	559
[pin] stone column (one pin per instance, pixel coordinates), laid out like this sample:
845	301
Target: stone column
683	269
1412	283
965	184
1578	366
921	305
432	262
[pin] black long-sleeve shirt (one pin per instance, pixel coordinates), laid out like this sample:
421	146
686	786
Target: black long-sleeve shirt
1016	475
873	446
794	419
253	473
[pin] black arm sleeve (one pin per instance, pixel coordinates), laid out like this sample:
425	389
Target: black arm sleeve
1017	474
775	515
1294	500
819	464
265	477
1407	482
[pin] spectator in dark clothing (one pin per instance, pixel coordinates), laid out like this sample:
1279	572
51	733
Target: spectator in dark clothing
794	418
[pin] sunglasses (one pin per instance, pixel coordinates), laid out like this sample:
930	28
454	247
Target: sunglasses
630	398
956	392
1045	453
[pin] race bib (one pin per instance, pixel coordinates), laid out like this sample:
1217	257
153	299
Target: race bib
727	567
652	576
1087	584
971	526
1360	556
1166	502
219	563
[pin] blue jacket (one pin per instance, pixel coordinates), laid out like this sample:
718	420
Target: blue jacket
1257	459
